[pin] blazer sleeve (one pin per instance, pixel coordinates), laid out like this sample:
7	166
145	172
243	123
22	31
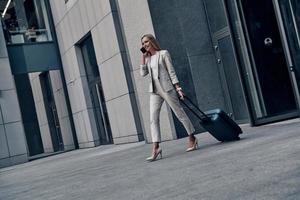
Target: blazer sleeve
144	69
170	68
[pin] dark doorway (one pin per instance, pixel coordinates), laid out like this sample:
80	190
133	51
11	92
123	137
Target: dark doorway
51	112
96	91
29	116
270	70
288	12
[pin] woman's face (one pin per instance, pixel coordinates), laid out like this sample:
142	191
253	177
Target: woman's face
147	44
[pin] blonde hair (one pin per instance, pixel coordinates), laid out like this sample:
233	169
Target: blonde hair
153	41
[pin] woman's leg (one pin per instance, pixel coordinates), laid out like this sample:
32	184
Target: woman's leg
155	147
171	98
156	151
155	106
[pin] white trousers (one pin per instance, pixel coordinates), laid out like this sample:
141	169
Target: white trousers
156	100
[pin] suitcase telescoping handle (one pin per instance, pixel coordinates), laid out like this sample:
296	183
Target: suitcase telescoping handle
189	107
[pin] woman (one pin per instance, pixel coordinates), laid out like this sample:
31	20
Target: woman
164	86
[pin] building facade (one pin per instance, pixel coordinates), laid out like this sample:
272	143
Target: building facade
70	69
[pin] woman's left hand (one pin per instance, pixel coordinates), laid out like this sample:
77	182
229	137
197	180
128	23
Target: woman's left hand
181	94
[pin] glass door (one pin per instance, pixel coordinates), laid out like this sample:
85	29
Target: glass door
96	92
288	17
228	71
51	112
270	88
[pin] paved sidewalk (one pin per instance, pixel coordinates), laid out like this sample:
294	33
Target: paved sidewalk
264	164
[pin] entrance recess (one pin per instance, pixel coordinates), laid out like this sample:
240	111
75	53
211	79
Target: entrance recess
51	112
96	92
274	86
288	17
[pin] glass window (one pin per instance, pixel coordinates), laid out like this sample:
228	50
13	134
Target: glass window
25	21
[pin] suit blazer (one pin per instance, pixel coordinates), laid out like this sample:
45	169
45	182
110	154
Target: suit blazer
166	73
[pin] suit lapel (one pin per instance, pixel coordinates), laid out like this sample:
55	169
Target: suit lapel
157	62
148	66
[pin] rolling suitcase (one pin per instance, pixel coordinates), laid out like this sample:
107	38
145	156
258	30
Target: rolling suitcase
217	123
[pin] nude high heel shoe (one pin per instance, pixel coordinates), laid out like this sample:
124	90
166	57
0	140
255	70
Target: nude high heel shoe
194	147
155	156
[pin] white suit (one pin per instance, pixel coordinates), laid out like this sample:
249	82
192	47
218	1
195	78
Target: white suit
163	78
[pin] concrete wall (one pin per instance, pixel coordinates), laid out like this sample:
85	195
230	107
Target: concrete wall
13	148
118	56
182	28
116	27
136	21
73	21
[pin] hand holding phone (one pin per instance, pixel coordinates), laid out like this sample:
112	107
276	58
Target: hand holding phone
143	50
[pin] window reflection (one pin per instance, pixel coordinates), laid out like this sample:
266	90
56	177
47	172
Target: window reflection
26	21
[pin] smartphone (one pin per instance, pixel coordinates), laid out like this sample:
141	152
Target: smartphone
143	50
